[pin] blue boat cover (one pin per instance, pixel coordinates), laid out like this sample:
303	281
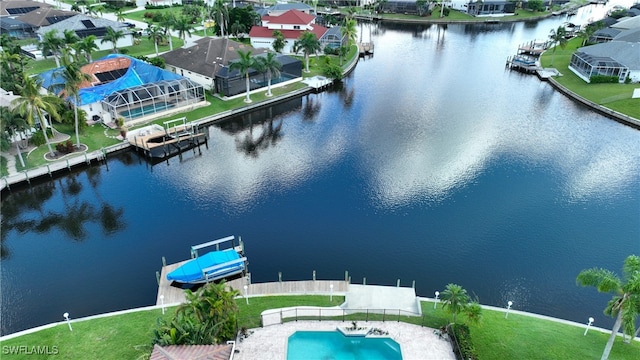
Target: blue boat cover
191	271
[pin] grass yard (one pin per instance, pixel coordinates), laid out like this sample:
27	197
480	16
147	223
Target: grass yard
614	96
129	336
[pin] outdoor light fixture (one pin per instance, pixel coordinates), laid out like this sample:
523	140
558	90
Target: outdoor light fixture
245	294
436	302
508	308
66	317
588	325
162	303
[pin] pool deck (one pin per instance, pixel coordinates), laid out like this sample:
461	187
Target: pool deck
416	343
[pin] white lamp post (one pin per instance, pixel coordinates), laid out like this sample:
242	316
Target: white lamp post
509	303
66	317
436	302
588	325
331	292
162	303
245	294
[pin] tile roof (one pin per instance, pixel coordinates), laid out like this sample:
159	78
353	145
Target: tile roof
101	66
17	4
291	17
207	56
79	22
41	17
191	352
264	32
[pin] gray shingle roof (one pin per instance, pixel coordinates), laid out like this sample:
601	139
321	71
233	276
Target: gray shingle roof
207	56
626	53
78	22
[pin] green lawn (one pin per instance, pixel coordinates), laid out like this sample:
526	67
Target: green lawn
614	96
129	336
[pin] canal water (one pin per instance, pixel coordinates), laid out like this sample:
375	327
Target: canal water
430	163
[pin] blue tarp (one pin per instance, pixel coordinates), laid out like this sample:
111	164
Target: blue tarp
139	73
191	271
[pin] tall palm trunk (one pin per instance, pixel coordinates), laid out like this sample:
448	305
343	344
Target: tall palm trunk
43	122
612	338
247	100
75	108
19	153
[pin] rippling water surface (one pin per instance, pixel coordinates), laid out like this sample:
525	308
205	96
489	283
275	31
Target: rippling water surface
431	163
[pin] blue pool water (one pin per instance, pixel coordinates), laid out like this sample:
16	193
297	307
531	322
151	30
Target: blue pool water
325	345
145	110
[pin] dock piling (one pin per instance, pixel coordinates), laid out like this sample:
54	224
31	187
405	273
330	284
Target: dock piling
398	283
314	275
164	261
158	277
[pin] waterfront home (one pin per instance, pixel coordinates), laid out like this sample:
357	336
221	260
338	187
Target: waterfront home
202	61
84	26
125	87
613	58
279	8
291	24
12	8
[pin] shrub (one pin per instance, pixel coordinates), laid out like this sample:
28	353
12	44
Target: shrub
603	79
446	11
330	51
37	138
148	15
65	147
463	346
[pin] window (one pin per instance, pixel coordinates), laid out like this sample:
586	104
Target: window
296	27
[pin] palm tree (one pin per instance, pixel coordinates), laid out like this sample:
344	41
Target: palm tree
32	105
183	26
238	28
558	37
220	13
120	15
271	66
454	299
51	43
308	43
12	124
625	304
87	45
157	35
166	23
279	42
113	36
473	311
420	4
243	65
349	31
73	77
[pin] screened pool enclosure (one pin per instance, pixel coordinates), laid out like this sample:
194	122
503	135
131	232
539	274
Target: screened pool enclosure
147	99
587	65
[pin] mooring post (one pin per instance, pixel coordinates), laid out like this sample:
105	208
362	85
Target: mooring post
364	281
398	283
280	276
164	261
413	284
158	277
49	171
346	275
86	158
314	275
26	175
68	165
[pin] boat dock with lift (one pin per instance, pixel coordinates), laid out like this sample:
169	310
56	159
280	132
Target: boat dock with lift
177	136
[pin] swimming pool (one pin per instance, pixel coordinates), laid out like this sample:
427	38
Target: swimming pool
332	345
145	110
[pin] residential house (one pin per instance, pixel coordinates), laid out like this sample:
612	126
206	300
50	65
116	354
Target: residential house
13	8
84	26
16	28
122	86
280	8
45	17
202	61
291	24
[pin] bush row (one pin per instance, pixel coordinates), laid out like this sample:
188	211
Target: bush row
462	344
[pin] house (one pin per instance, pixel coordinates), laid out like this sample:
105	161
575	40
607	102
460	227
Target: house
613	58
122	86
13	8
488	8
84	26
45	17
203	60
291	24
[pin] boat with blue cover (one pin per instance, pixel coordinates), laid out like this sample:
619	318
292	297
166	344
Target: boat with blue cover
214	265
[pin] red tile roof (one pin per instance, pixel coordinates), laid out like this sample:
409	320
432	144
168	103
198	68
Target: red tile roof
264	32
101	66
295	17
191	352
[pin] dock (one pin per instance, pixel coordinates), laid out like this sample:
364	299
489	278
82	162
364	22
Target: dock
318	83
160	143
365	48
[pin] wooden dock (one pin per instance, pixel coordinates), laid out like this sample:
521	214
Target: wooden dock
161	143
365	48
